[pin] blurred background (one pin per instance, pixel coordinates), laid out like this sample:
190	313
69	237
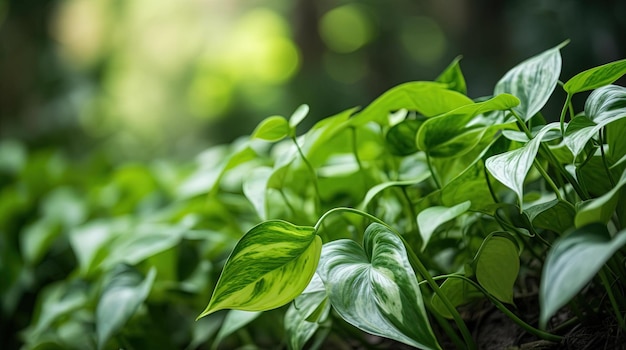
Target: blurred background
139	79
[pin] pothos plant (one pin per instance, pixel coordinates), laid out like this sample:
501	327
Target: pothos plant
394	216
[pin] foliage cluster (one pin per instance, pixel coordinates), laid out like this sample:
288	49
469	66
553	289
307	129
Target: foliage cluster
381	220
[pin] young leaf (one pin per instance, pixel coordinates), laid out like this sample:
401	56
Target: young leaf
532	81
510	168
123	294
375	289
270	265
453	76
571	263
596	77
497	266
274	128
425	97
298	115
430	218
305	314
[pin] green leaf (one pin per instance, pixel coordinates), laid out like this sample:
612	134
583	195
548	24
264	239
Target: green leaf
600	209
401	137
270	265
497	266
453	76
555	215
596	77
234	320
298	115
571	263
458	292
532	81
430	218
437	134
375	289
122	296
510	168
306	313
274	128
425	97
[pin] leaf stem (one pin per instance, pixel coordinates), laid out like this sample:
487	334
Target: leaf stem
313	174
432	171
609	290
548	179
530	329
568	100
604	161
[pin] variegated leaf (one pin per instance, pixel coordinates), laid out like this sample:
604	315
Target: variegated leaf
269	267
532	81
375	289
510	168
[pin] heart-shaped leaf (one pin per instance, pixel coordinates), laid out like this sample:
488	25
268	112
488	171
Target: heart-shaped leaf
497	265
510	168
555	215
532	81
270	265
571	263
595	77
430	218
375	289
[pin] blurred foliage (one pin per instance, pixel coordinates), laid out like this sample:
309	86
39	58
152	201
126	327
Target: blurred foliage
149	78
97	97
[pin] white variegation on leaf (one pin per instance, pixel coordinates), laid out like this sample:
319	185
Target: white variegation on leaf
511	168
270	266
532	81
375	289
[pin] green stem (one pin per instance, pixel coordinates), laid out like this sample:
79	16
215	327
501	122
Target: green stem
445	325
432	171
568	100
545	151
609	290
548	179
493	194
528	328
418	266
313	175
604	161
